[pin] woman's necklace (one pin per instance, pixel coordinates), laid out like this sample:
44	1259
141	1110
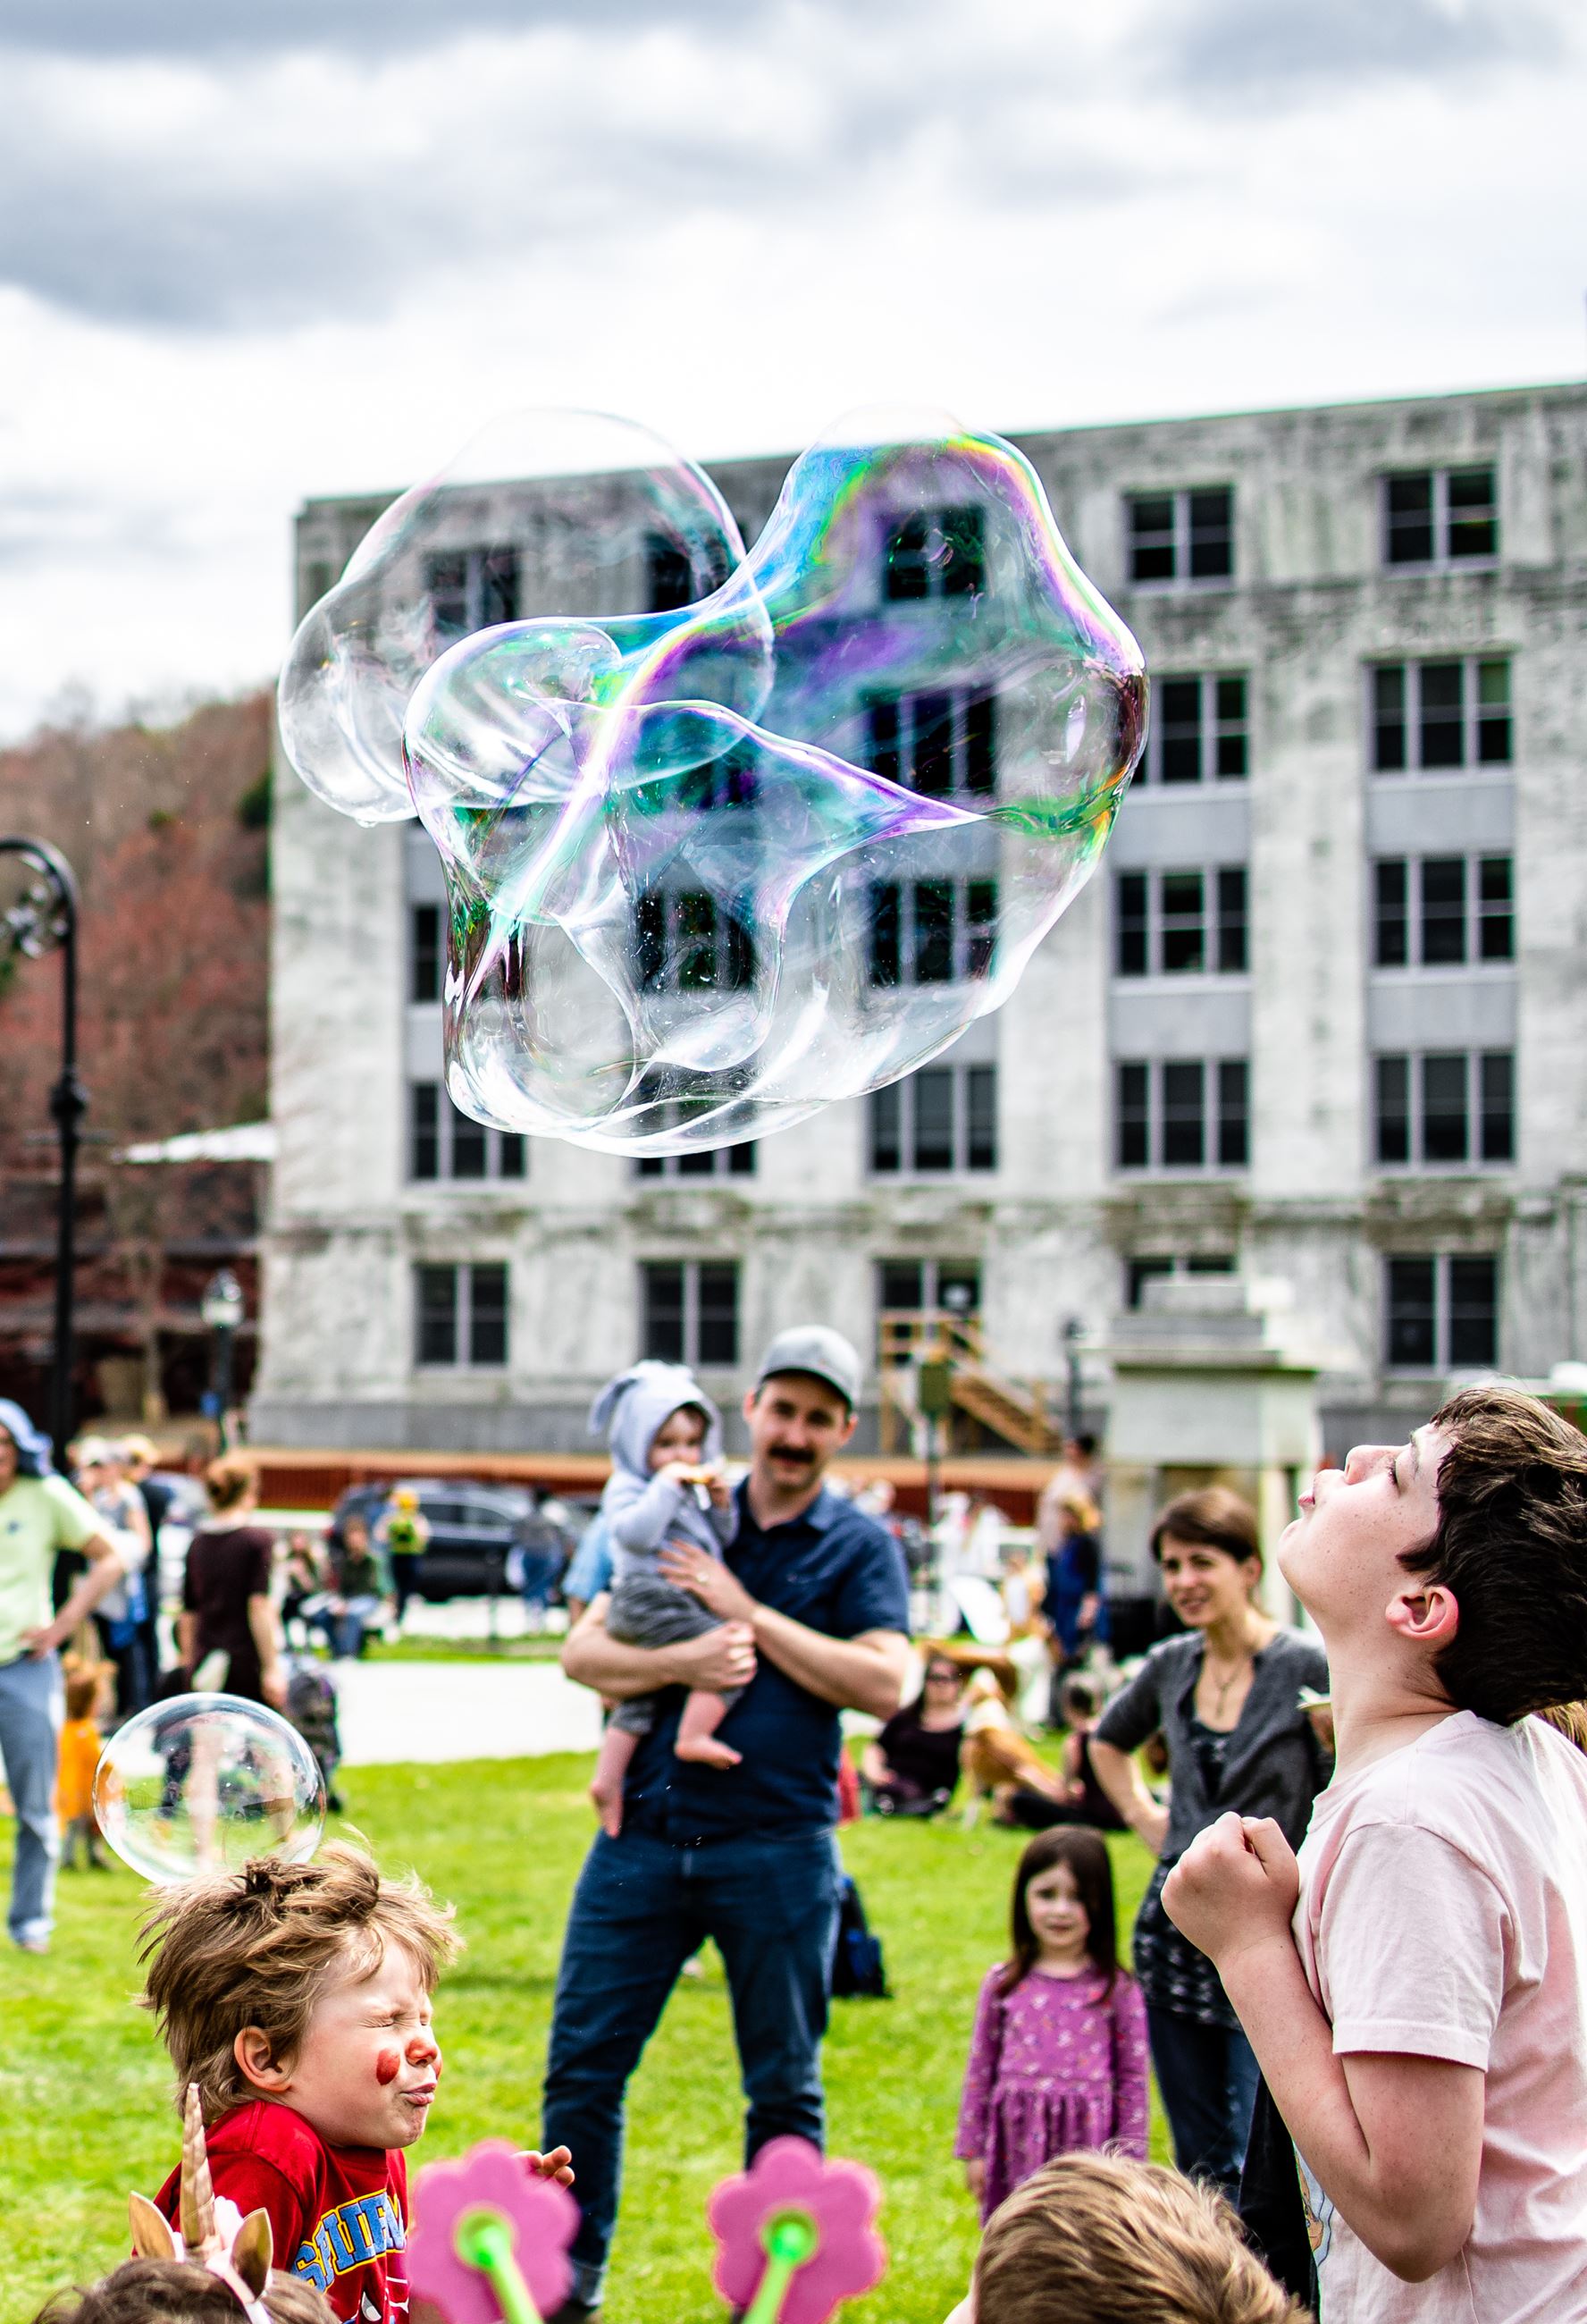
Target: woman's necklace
1219	1689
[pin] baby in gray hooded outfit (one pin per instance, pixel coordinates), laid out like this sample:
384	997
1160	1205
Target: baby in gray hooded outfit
666	1439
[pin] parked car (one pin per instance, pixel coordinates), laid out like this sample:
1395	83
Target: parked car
474	1528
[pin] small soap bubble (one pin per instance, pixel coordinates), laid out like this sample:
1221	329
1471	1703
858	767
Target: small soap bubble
204	1782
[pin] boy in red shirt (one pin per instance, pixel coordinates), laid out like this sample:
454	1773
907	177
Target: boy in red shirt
298	1998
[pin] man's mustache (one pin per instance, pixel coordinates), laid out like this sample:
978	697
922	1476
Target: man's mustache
793	1453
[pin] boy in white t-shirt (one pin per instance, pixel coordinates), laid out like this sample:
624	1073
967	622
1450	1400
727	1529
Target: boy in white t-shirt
1416	1987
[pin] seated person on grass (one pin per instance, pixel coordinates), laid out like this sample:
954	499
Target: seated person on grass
1416	1986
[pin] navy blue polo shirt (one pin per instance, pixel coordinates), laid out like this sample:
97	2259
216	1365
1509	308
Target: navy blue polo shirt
833	1569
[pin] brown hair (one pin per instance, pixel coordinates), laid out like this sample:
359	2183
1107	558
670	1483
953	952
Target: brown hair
1102	2238
1511	1549
178	2292
1084	1852
227	1481
1211	1518
84	1684
259	1946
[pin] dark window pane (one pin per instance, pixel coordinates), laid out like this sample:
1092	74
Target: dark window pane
447	588
1389	720
933	1118
932	755
1392	1075
959	1286
662	1282
699	1162
468	1145
1444	910
903	1285
1210	1263
741	1160
1498	1069
905	571
884	954
1233	1114
650	940
1138	1273
1495	913
981	1111
882	718
1151	537
695	918
1180	725
437	1314
1132	926
1408	511
1231	729
1184	947
1493	713
1134	1127
719	1312
1231	920
668	581
651	1165
933	932
1391	913
1411	1339
424	1153
963	570
1473	1313
487	1321
980	742
1212	533
498	586
1184	1115
1445	1130
425	960
980	927
1443	714
515	1155
887	1128
1473	519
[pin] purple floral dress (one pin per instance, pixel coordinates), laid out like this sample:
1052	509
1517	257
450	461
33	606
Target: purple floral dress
1055	2065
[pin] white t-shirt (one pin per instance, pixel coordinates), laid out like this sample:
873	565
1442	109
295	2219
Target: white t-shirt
1443	1913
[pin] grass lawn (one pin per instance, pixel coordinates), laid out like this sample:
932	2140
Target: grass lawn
84	2089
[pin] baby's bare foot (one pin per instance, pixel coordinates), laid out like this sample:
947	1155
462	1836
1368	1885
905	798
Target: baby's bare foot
707	1750
608	1808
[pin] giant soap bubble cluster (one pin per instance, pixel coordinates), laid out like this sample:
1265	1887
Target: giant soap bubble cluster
726	837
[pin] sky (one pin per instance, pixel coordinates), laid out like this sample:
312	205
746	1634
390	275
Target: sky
250	254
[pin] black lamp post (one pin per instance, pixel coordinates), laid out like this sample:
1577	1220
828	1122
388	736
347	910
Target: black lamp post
1074	1331
222	1307
46	916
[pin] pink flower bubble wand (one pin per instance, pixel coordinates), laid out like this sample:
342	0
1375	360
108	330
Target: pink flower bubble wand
490	2246
796	2235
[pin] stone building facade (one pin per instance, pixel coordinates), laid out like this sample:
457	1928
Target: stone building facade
1316	1018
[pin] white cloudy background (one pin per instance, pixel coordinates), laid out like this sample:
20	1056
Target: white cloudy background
251	250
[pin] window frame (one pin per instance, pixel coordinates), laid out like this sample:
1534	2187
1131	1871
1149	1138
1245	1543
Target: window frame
1180	537
472	1313
892	1122
1151	1096
693	1324
737	1161
1223	921
1401	1082
484	603
1479	720
951	523
505	1153
1441	1311
891	732
1487	919
1442	522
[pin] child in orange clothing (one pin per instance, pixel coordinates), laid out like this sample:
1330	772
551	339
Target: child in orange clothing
88	1698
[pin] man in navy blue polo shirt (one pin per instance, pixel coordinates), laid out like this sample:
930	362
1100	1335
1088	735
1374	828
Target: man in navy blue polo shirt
814	1604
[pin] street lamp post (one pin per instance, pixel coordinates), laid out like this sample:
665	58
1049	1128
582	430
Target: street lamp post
222	1307
1074	1331
45	918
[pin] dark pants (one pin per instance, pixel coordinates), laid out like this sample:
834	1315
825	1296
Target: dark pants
405	1566
642	1907
1207	2075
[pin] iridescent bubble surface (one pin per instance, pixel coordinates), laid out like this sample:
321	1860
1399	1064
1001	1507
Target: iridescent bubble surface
713	866
204	1782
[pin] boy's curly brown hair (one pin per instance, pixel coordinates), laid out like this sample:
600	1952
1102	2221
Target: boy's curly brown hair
258	1947
178	2292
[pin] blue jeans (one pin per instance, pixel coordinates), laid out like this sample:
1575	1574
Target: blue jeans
642	1907
1207	2075
30	1723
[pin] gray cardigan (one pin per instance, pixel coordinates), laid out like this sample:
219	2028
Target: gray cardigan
1275	1766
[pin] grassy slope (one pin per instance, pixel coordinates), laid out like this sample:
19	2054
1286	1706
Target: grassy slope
84	2094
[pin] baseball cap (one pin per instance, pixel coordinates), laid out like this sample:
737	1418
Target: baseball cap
812	1348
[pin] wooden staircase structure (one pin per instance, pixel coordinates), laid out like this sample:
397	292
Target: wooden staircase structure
1014	1410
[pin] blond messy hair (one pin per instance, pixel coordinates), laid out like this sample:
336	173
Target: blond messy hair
1101	2239
259	1948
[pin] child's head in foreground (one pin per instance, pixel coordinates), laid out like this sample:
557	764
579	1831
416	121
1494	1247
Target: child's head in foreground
306	1984
1458	1561
176	2292
681	1437
1102	2239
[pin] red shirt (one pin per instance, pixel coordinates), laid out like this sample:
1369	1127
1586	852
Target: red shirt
338	2214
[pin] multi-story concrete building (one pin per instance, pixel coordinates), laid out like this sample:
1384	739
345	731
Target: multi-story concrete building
1315	1018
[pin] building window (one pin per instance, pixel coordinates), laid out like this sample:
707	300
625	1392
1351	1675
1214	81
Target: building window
1182	923
1186	536
1440	1312
472	589
461	1313
941	1117
1440	516
446	1143
933	931
712	1162
426	953
1444	1107
1430	715
1145	1267
685	942
1182	1113
916	1287
935	553
1199	732
690	1310
939	744
1442	911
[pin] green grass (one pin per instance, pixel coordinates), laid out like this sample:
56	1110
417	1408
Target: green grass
84	2089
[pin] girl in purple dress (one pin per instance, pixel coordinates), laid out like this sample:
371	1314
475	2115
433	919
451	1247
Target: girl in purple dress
1058	2058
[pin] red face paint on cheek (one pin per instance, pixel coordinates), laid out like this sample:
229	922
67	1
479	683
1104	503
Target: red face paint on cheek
388	2066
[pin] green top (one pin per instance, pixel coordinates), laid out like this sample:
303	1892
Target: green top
38	1517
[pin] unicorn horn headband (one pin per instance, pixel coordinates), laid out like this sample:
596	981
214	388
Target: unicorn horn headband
213	2234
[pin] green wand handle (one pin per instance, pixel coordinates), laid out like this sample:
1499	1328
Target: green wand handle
482	2238
790	2239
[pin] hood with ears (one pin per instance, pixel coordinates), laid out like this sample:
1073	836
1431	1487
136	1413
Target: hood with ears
637	1402
32	1446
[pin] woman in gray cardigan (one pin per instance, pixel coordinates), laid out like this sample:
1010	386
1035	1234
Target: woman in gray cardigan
1226	1697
